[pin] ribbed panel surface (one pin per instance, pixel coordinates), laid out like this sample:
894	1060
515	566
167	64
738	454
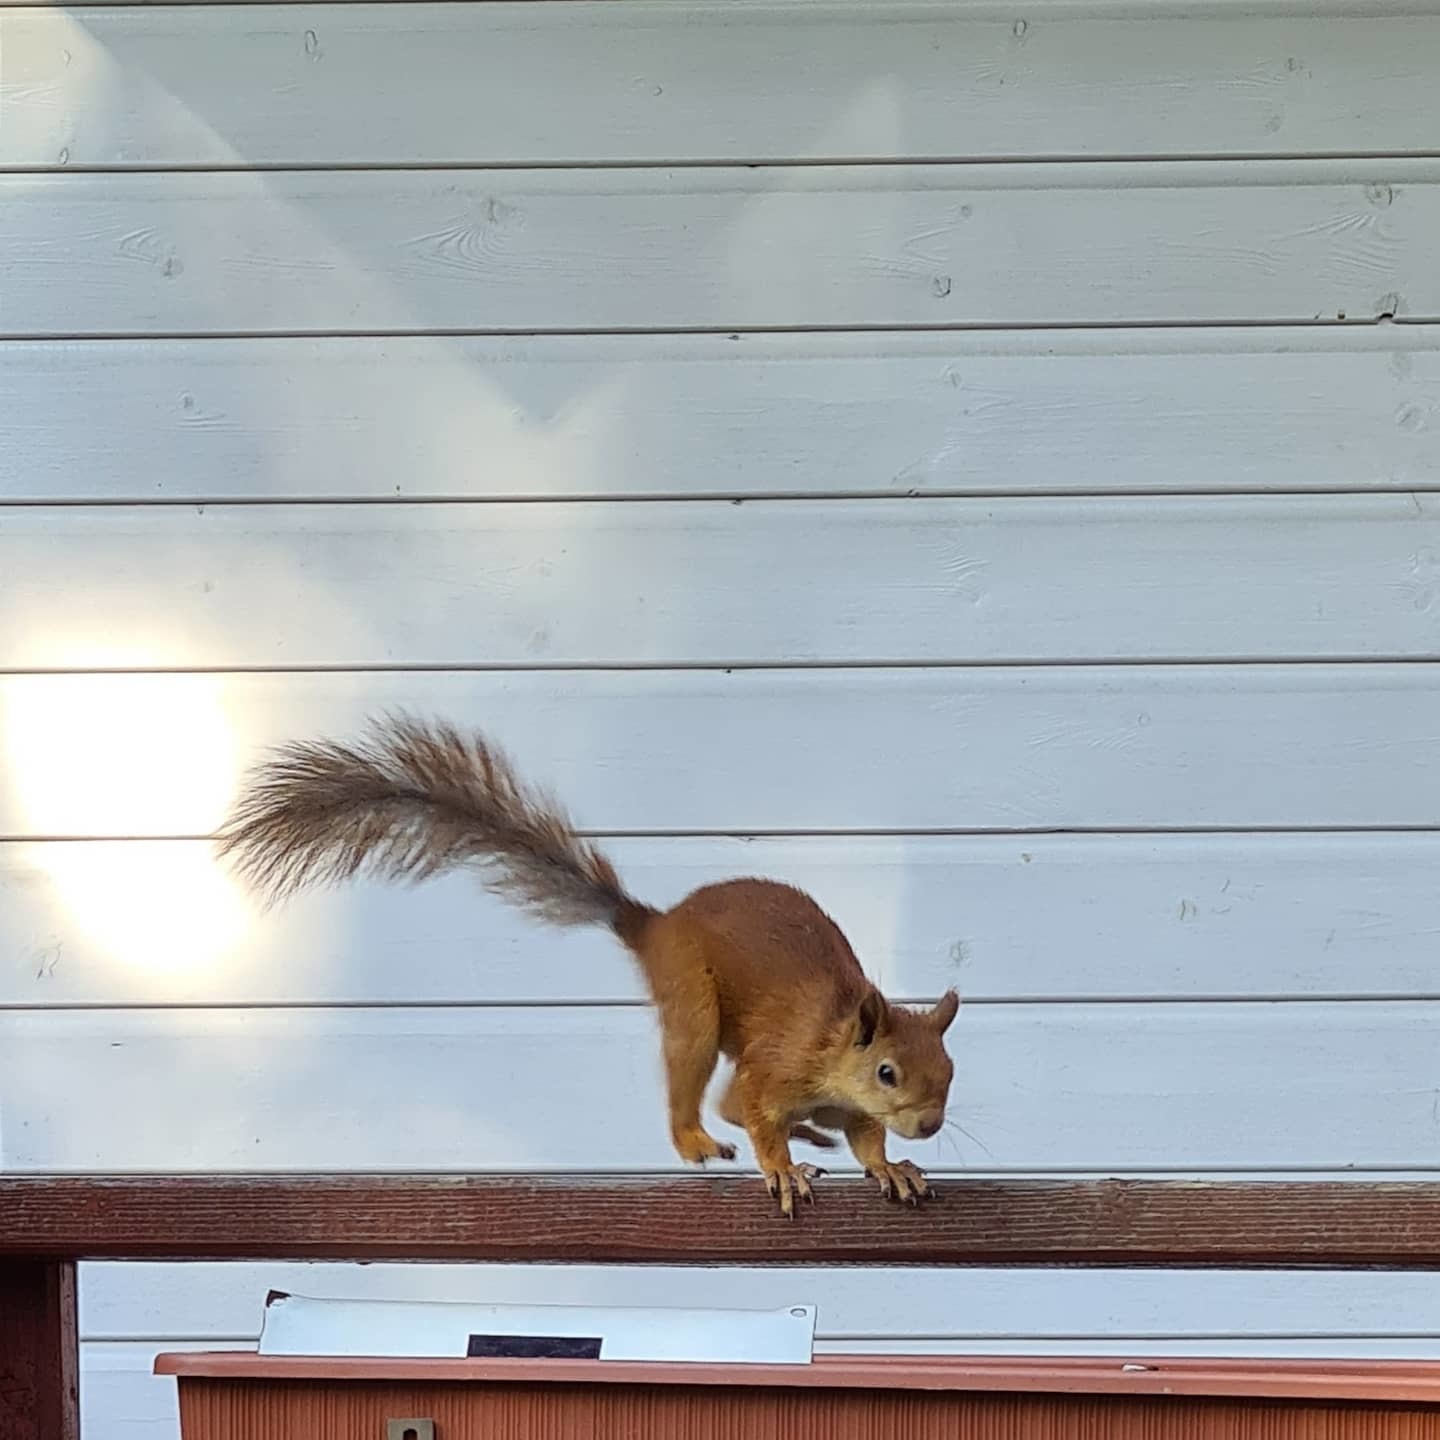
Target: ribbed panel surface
248	1410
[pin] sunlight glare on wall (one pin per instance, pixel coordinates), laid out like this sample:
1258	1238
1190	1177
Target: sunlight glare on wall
120	755
167	912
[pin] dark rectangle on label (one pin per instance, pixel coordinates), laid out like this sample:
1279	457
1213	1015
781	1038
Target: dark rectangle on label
533	1347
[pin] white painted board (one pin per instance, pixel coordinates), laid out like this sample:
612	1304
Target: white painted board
721	583
1001	917
723	248
121	1398
1039	1089
983	749
371	84
215	1302
745	415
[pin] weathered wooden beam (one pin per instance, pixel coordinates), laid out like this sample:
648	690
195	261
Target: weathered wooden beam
719	1221
39	1351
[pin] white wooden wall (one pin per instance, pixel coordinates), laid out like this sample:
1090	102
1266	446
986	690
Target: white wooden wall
979	460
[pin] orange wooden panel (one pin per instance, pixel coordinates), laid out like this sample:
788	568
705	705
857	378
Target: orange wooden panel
1388	1381
216	1409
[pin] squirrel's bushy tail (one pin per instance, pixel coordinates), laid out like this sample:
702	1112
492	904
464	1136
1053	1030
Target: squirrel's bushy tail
406	802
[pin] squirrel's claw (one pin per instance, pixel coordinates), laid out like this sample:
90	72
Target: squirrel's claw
793	1180
903	1181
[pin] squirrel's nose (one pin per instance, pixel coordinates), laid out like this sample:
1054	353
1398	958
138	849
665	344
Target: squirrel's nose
930	1126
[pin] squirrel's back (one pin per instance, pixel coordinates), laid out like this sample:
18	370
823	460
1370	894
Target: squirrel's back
777	961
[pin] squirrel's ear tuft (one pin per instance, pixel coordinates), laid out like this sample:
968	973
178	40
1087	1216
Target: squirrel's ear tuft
945	1011
871	1019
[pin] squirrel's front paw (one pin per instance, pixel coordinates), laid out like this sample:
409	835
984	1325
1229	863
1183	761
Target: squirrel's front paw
900	1180
788	1182
697	1146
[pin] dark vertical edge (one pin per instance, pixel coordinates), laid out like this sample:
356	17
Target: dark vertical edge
39	1351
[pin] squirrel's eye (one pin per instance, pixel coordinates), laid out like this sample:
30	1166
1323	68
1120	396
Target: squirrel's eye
886	1074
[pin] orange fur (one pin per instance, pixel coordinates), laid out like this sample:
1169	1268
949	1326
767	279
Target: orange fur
750	969
758	972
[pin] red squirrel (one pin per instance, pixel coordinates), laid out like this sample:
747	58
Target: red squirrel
752	969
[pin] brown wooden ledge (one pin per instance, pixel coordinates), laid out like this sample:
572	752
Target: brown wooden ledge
719	1221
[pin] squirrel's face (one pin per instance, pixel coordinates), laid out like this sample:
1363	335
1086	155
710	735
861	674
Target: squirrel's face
896	1068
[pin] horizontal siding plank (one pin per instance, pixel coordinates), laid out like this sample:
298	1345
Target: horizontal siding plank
1276	747
481	418
1039	1089
414	250
720	583
638	82
1032	917
128	1301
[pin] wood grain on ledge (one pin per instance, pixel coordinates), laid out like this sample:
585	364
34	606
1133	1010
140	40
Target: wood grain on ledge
719	1221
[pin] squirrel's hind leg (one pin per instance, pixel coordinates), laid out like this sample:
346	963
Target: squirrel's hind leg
732	1114
811	1136
690	1021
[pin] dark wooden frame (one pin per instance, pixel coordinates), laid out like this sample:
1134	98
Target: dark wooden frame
47	1224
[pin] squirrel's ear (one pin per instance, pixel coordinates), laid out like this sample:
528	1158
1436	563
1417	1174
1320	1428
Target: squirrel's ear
871	1019
945	1011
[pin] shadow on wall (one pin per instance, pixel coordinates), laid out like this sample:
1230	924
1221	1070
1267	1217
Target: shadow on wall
158	754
